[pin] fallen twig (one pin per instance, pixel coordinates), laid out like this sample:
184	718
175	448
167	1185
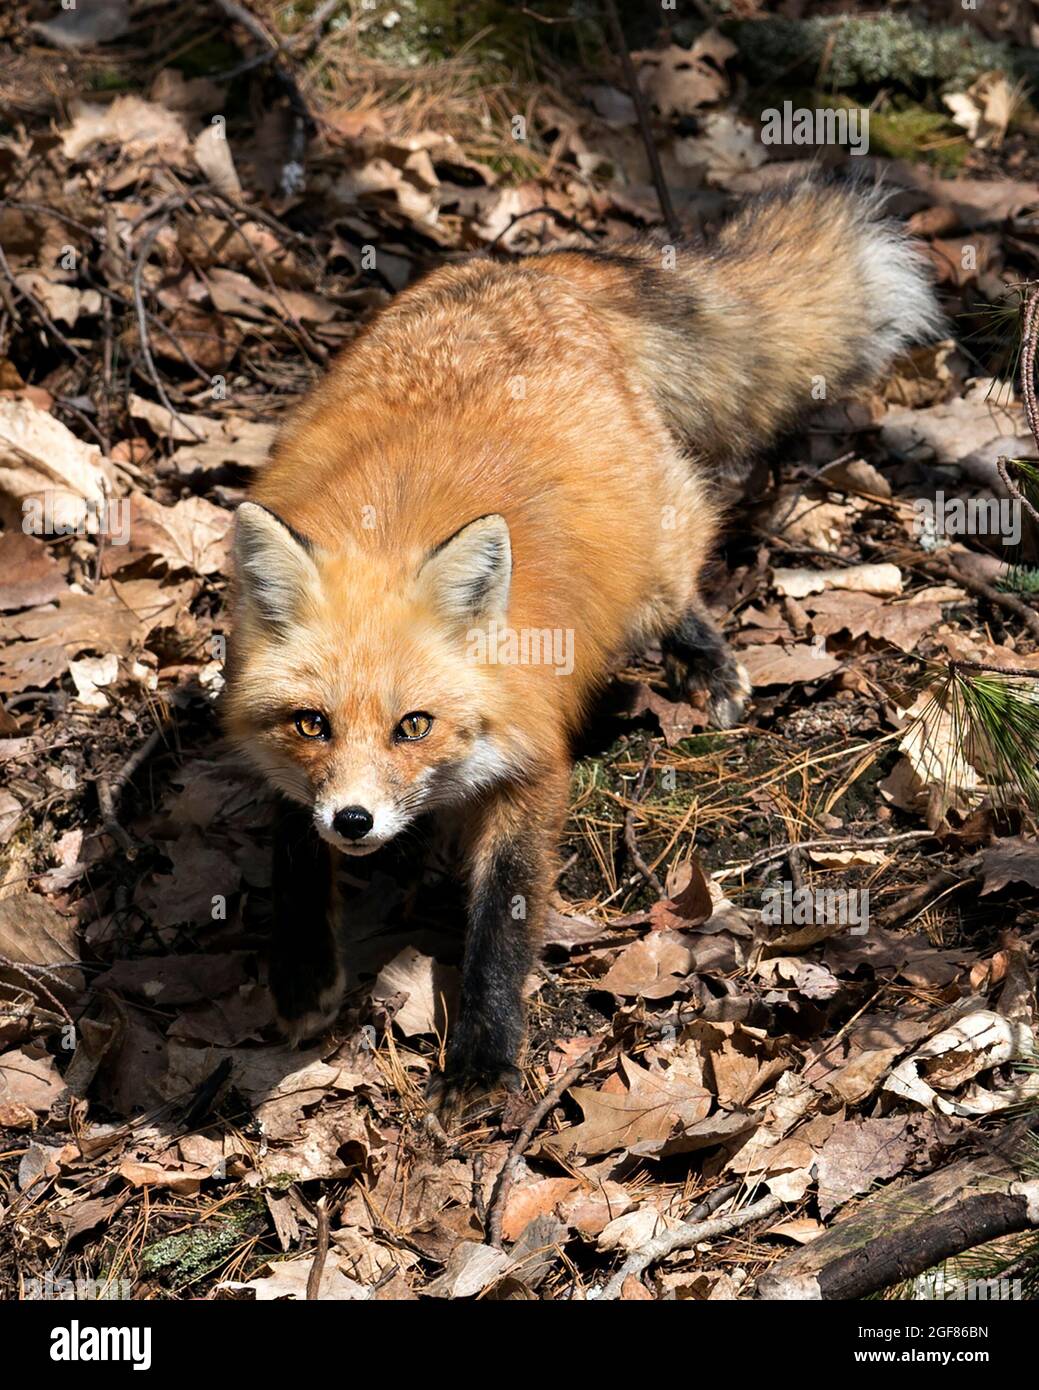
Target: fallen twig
684	1237
630	841
303	121
667	208
33	974
905	1232
946	566
142	317
320	1254
941	883
110	790
831	842
521	1143
39	310
561	217
1013	488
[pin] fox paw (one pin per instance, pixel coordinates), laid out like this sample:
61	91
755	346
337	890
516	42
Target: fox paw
450	1093
306	1007
728	691
715	683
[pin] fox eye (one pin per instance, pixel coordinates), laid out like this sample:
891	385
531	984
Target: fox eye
414	726
311	723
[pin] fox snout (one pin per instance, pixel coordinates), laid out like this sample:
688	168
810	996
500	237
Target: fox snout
359	821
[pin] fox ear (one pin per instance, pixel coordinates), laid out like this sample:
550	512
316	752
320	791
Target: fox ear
273	567
467	576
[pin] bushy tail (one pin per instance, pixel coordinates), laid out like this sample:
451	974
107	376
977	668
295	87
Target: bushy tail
809	290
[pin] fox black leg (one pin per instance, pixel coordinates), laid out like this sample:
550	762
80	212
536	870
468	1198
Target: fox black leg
696	658
306	973
514	864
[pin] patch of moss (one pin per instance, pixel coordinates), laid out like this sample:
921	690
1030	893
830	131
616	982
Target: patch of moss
901	129
516	166
110	80
412	32
696	745
1021	579
851	51
911	131
195	1253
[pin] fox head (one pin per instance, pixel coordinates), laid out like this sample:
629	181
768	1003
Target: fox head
349	686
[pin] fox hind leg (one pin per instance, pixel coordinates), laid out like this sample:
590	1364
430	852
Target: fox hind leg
697	659
306	973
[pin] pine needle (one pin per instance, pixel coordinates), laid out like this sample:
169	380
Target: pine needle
995	721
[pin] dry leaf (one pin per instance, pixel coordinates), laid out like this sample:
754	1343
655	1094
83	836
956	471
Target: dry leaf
868	579
776	665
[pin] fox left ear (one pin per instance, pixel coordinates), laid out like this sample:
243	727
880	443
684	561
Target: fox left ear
467	576
273	565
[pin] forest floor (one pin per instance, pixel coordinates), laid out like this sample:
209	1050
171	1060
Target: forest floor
188	225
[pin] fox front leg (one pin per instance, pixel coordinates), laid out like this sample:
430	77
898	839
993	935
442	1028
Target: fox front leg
306	973
513	864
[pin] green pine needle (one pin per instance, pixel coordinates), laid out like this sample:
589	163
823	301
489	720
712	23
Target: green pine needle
997	333
1020	579
994	720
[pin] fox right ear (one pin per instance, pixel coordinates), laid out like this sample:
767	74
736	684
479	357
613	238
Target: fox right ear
467	576
273	565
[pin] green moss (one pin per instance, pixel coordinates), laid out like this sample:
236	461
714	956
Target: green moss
110	80
913	132
195	1253
901	129
846	52
1021	579
516	166
496	32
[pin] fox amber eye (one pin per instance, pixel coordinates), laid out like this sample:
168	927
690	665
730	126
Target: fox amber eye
414	726
311	723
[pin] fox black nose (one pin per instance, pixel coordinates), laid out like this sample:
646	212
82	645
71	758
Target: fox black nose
352	822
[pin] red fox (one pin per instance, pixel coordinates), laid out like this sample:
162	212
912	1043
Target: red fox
514	463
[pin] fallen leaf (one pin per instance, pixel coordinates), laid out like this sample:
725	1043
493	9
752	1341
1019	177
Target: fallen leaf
652	968
137	126
678	81
29	1078
289	1278
1014	859
857	1155
29	575
869	579
795	665
427	986
471	1268
647	1108
677	719
59	482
